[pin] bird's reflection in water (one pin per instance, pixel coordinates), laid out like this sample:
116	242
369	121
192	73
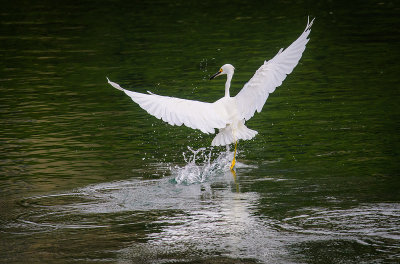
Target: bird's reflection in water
235	179
178	220
222	221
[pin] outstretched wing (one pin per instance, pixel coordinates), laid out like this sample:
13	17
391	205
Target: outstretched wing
176	111
270	75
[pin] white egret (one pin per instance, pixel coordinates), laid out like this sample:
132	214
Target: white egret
228	114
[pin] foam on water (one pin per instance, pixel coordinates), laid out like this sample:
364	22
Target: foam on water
201	164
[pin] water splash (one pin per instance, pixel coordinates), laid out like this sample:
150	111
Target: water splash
201	164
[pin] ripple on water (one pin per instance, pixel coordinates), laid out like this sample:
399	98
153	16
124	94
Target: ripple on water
203	218
186	218
369	224
197	210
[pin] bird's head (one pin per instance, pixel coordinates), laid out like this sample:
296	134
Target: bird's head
225	69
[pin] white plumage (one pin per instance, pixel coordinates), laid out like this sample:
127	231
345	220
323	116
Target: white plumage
228	114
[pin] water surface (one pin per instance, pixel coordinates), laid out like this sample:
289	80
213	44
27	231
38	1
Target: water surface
87	176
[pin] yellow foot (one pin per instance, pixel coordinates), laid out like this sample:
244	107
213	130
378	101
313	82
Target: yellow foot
234	157
233	163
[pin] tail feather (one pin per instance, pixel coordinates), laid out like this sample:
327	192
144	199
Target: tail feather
229	135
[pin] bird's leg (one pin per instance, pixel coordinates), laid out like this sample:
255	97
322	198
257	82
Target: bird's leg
234	155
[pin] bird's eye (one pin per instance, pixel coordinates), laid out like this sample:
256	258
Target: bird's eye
220	70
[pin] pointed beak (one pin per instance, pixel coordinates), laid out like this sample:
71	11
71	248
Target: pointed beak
215	75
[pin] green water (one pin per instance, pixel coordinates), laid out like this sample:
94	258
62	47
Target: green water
86	176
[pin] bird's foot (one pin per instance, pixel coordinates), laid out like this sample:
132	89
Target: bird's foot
233	163
234	157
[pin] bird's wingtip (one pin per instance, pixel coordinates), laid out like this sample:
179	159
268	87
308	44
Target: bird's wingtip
309	24
115	85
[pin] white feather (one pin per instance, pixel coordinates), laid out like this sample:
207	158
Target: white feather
270	75
228	114
176	111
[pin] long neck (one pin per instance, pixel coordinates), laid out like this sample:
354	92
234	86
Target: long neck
228	84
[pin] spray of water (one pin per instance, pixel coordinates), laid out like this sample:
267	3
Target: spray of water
201	164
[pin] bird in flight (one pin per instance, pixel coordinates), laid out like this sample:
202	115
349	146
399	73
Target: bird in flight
228	114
